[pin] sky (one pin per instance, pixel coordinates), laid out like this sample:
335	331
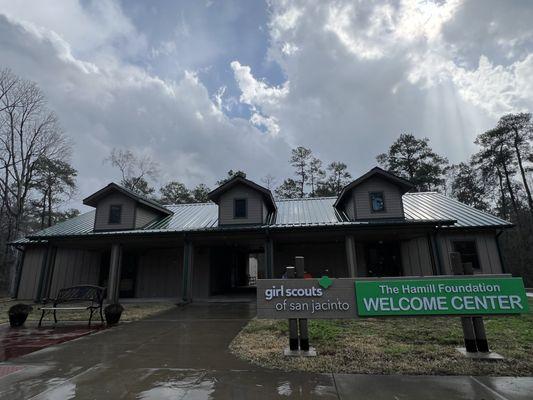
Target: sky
208	86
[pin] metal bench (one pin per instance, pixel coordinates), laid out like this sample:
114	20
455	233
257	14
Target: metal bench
90	297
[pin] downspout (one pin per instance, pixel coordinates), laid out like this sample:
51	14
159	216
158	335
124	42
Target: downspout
500	251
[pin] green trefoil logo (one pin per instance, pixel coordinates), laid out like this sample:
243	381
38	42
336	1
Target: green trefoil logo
325	282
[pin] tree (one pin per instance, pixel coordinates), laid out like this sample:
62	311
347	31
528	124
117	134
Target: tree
519	131
231	175
496	158
200	193
289	189
66	215
338	176
316	174
325	189
55	183
269	181
175	193
468	186
300	159
29	132
414	160
134	170
139	186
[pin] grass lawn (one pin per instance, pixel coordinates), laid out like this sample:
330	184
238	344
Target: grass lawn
132	311
415	345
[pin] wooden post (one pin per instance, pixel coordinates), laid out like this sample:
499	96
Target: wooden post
269	259
113	283
186	291
351	256
293	322
473	327
47	270
480	335
302	322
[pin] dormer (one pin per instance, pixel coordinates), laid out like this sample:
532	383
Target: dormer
376	194
241	201
118	208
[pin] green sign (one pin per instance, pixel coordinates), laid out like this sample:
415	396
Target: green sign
430	296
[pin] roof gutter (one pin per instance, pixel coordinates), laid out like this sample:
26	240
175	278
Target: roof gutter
344	226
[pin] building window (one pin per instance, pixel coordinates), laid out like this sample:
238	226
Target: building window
240	208
377	202
115	214
468	251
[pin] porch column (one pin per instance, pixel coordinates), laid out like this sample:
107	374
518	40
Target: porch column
269	259
113	283
47	271
186	288
351	256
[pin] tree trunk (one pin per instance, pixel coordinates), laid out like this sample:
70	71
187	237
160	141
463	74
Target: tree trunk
49	206
502	193
510	189
523	173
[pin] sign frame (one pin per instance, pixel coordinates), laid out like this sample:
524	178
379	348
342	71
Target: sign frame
343	291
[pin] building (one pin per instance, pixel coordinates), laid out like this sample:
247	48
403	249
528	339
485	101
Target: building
137	247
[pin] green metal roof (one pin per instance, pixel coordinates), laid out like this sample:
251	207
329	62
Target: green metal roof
420	208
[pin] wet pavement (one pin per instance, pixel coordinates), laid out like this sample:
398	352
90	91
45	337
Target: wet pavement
16	342
183	354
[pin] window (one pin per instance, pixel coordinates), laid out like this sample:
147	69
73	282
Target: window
115	214
240	208
377	202
468	252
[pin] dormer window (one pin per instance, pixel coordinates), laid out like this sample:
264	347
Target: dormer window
377	202
240	208
115	214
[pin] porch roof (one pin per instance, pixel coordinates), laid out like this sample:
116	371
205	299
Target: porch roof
429	208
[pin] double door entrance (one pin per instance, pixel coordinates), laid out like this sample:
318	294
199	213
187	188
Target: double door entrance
383	258
233	271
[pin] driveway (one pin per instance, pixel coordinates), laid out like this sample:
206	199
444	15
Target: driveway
183	354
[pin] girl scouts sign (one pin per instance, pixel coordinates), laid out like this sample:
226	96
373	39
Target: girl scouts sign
369	297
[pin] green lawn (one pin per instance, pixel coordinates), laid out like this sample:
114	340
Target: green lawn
421	345
132	311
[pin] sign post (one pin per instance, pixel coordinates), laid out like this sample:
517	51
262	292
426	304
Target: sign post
302	322
293	322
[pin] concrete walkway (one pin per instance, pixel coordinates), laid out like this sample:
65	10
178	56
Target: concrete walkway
182	354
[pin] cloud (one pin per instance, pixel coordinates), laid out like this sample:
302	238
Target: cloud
364	73
255	92
235	86
102	105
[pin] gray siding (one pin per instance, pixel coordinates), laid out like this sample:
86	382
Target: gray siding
255	206
416	257
143	216
318	257
102	212
361	200
31	272
487	250
74	267
160	273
